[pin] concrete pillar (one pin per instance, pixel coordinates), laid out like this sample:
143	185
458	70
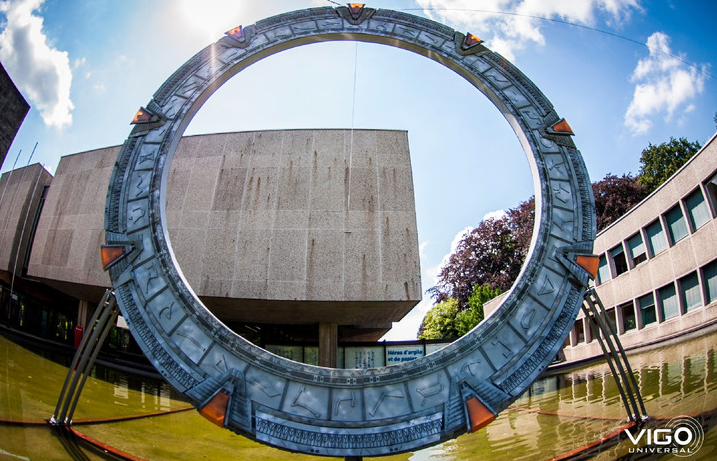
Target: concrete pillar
82	313
328	345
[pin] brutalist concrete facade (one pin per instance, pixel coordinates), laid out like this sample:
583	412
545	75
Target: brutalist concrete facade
21	196
288	227
69	232
14	110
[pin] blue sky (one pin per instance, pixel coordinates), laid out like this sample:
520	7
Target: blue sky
624	73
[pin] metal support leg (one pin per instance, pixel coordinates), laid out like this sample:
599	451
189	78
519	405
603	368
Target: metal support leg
84	359
615	356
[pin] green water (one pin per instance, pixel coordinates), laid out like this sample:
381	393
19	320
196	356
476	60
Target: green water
559	413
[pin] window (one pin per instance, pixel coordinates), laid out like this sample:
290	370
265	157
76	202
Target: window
629	322
711	189
709	272
656	237
690	292
579	331
618	258
697	209
676	224
637	249
603	270
647	309
610	316
669	305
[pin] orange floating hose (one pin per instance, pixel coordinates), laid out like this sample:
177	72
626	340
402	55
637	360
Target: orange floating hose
103	446
43	422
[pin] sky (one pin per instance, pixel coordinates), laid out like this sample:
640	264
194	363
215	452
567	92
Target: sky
624	73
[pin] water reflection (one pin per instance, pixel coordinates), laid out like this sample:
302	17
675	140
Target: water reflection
557	414
567	410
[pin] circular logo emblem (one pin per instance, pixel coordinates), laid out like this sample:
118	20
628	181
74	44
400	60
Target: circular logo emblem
687	435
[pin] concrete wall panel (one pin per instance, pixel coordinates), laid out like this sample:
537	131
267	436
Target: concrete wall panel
274	215
20	197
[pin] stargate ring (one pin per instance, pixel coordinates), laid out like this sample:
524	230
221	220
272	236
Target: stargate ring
353	412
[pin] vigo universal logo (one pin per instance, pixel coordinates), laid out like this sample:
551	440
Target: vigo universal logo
681	436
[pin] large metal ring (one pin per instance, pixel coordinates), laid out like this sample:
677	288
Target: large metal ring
332	411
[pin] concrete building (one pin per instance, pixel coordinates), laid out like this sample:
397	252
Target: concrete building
657	274
22	194
276	231
658	263
15	109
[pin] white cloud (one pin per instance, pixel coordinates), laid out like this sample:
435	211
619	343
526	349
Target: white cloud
457	239
422	249
509	26
41	72
663	85
407	328
497	214
99	88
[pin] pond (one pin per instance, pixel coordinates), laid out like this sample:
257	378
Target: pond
146	420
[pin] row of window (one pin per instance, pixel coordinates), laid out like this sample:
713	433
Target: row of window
688	215
690	292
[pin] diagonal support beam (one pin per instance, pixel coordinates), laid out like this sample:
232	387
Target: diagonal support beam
615	357
98	327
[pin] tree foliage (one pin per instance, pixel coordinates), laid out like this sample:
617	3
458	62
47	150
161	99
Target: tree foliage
446	321
660	162
486	255
491	255
614	196
439	322
520	221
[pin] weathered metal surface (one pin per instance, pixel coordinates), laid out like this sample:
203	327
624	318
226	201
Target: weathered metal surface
349	412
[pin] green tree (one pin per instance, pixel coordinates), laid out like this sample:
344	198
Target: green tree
446	320
440	321
492	254
468	318
660	162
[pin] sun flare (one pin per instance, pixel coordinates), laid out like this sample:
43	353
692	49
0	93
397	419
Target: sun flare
211	18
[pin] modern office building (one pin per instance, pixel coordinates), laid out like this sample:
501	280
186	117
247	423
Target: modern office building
657	276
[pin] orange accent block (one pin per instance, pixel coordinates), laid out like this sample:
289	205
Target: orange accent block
109	254
562	127
216	409
478	414
589	263
472	40
236	32
356	8
142	116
